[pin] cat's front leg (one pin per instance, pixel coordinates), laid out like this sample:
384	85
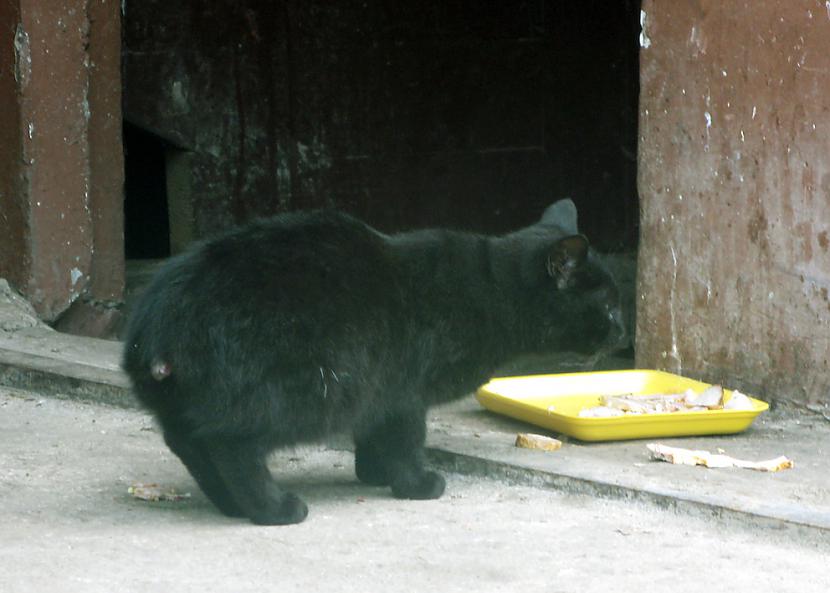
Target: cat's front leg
391	452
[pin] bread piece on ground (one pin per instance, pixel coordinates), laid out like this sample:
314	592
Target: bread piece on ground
529	440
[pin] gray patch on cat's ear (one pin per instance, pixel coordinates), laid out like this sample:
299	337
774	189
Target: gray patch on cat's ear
563	215
566	256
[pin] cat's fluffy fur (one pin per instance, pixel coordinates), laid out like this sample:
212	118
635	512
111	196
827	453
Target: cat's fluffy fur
290	328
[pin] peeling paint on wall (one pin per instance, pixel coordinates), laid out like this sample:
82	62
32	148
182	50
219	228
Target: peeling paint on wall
645	41
179	97
22	57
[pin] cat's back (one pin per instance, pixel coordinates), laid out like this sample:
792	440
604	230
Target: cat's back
275	256
299	269
292	241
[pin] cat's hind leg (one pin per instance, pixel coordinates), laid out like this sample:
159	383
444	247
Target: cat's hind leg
369	464
391	452
241	464
192	453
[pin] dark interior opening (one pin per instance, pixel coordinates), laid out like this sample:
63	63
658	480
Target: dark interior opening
146	219
406	115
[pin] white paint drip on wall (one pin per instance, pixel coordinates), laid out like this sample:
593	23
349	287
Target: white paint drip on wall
675	354
179	96
708	117
283	177
827	6
645	42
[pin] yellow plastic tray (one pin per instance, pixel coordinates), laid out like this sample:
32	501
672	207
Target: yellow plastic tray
554	402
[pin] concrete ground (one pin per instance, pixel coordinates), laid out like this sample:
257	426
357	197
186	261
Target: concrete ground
589	517
468	439
69	524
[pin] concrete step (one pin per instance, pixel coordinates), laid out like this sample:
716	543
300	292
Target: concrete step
465	438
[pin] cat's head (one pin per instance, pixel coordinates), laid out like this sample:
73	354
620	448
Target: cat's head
576	298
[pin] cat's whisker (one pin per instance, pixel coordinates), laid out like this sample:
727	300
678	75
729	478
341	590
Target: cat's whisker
325	385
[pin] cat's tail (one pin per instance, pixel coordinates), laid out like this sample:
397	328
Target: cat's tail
147	371
147	357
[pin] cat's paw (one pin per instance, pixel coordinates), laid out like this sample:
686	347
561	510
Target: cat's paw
285	510
422	486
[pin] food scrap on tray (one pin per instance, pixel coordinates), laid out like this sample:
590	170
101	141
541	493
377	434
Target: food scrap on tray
680	456
711	398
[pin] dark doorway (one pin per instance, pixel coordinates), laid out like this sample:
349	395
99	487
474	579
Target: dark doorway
146	218
405	114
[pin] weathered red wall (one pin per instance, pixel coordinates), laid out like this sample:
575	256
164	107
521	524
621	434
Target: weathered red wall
734	182
53	105
13	232
60	177
106	167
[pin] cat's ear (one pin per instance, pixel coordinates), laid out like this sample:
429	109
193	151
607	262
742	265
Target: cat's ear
564	257
563	215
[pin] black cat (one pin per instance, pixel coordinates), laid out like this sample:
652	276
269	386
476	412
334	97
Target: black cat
290	328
